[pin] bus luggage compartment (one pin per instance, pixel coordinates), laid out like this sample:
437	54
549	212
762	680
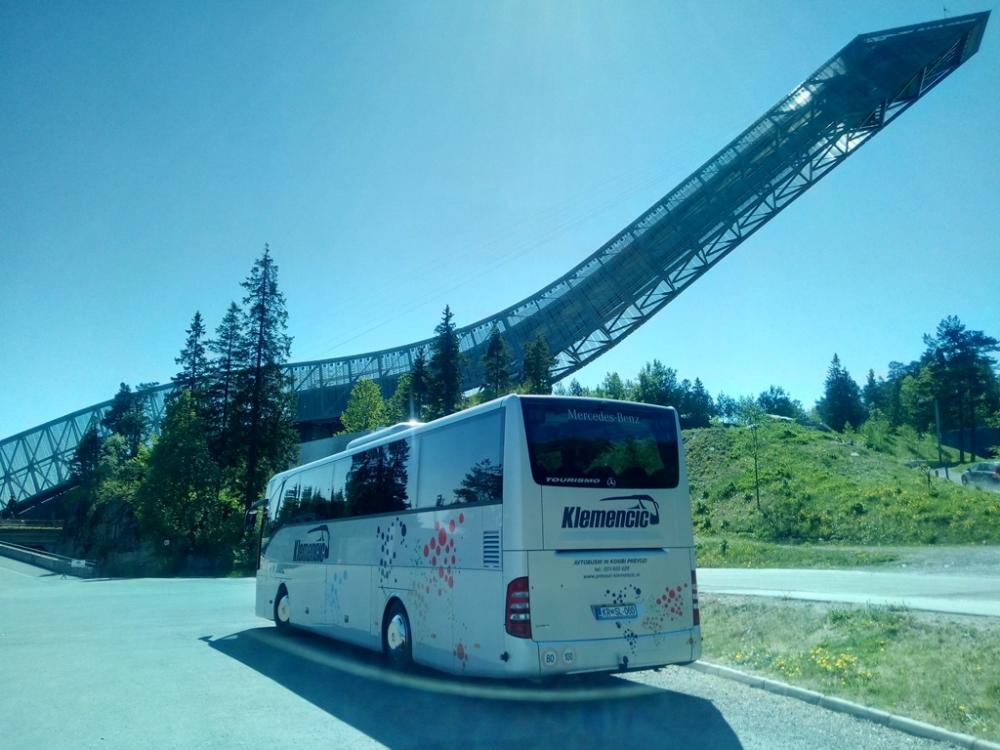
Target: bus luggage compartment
617	594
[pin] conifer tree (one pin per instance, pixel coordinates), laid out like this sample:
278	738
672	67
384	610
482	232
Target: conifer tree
536	374
496	367
87	458
961	364
193	360
419	384
265	403
228	361
698	408
871	393
445	382
841	402
84	467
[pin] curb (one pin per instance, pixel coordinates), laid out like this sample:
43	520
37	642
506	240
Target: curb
900	723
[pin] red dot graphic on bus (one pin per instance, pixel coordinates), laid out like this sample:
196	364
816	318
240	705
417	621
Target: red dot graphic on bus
441	572
451	582
434	561
452	559
442	536
451	525
427	550
461	518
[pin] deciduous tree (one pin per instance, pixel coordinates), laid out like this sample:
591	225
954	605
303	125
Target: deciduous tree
398	407
776	401
127	417
916	397
365	409
178	500
657	384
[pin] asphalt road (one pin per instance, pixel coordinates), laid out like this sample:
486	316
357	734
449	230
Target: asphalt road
954	592
183	663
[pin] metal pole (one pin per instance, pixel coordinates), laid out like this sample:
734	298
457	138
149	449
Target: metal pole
937	421
756	475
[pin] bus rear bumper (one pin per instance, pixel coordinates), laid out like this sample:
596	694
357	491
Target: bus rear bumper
629	652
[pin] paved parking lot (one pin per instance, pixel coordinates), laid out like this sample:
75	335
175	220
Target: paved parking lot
183	663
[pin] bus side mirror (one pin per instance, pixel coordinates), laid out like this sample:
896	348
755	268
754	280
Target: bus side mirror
250	519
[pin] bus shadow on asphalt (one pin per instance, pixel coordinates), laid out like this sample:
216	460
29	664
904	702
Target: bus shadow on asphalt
428	709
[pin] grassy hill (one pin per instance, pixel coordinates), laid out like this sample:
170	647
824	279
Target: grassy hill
818	487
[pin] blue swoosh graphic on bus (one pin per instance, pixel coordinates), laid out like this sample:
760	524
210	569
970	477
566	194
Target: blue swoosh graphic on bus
313	551
641	500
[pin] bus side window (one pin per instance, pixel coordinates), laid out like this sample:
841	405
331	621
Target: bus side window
288	507
274	499
338	492
314	500
378	480
462	463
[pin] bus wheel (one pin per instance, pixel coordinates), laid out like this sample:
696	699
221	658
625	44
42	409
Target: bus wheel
397	639
281	611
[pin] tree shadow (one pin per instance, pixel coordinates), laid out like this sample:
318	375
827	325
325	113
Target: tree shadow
426	709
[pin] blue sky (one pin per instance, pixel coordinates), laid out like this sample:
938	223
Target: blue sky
401	156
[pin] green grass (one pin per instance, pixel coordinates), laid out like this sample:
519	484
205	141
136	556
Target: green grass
924	666
739	552
818	487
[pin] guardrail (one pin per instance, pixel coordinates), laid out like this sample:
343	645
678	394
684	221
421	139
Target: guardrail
56	563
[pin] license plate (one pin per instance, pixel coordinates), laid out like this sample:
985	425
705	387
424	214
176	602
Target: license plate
616	612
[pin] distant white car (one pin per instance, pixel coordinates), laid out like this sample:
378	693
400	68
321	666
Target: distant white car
984	474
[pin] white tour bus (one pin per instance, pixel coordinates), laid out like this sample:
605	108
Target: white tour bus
529	536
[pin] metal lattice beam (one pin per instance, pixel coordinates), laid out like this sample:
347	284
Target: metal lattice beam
597	304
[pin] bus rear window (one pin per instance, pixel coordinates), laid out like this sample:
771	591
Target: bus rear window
579	443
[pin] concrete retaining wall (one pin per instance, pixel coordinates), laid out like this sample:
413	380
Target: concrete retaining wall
56	563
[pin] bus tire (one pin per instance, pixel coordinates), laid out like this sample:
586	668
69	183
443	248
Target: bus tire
397	637
282	614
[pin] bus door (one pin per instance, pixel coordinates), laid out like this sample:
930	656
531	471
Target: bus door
310	550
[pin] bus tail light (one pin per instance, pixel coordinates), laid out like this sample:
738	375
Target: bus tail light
694	597
517	619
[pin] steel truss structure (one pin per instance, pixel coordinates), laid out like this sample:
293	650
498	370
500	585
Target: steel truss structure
854	95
